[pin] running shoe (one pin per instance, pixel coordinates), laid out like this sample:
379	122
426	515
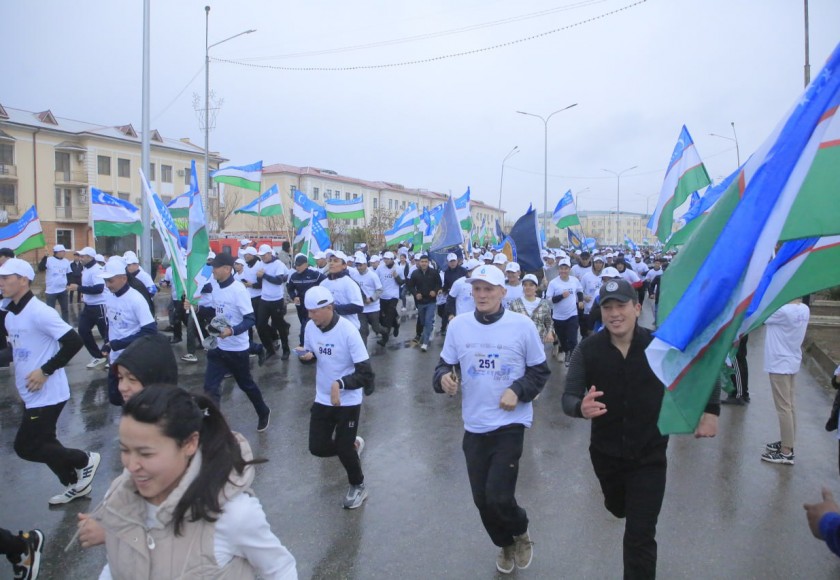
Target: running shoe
28	566
356	494
95	363
189	358
523	550
85	475
778	457
262	424
69	495
505	559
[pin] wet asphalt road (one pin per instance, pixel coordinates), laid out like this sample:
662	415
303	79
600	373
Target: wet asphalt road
726	514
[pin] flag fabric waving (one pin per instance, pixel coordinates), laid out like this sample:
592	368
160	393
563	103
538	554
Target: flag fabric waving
112	216
179	208
630	243
447	233
302	210
345	209
198	242
268	204
168	233
686	174
315	238
525	234
462	208
697	212
23	235
244	176
574	239
404	228
704	305
565	214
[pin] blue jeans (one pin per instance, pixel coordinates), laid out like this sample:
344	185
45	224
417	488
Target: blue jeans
219	363
426	316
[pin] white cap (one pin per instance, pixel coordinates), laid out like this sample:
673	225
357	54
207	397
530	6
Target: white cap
388	255
530	278
87	251
351	259
598	258
564	262
317	297
450	256
637	255
319	255
375	258
561	254
403	250
512	267
250	250
487	273
472	264
240	261
115	266
337	254
263	250
487	256
244	241
211	254
99	258
360	257
19	267
130	258
610	272
500	258
544	253
59	248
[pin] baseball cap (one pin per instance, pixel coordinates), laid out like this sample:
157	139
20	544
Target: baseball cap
223	260
210	255
500	258
375	258
19	267
250	250
317	297
610	272
115	266
564	262
59	248
620	290
240	261
388	255
130	258
512	267
338	254
300	260
360	257
450	256
487	273
264	249
87	251
244	241
598	258
487	256
319	255
472	264
403	250
99	258
530	278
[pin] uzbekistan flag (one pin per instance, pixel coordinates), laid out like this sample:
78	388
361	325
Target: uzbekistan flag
350	209
244	176
565	214
179	208
779	192
462	209
168	232
686	174
404	227
23	235
268	204
112	216
198	243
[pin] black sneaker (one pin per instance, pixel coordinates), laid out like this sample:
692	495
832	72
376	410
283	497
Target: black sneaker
383	340
30	561
778	457
773	447
285	355
396	331
261	357
262	424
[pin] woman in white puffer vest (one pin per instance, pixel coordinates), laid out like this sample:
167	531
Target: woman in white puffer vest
183	507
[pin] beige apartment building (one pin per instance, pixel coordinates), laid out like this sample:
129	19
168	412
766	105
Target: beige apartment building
52	162
384	202
601	225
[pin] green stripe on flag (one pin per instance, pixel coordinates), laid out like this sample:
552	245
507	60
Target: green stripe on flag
238	182
117	229
817	203
35	242
569	220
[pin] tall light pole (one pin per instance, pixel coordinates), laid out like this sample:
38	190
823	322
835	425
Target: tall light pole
545	121
513	152
577	196
618	198
807	52
146	237
737	149
647	201
207	47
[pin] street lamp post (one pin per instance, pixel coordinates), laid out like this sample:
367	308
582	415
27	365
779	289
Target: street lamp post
545	121
207	47
737	149
513	152
618	198
577	197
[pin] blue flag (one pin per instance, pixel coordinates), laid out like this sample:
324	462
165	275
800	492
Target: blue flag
448	230
574	239
525	234
630	243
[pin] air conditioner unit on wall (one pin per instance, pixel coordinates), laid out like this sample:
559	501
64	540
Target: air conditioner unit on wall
82	197
81	157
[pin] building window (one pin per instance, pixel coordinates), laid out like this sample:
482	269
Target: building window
375	203
63	198
123	168
103	165
390	204
7	194
315	193
124	196
151	171
337	194
347	195
64	237
355	196
402	205
166	173
7	154
187	175
328	194
355	222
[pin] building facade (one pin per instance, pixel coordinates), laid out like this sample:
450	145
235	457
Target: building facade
52	162
603	226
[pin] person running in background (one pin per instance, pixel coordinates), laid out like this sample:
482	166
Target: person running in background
591	283
23	551
424	284
57	268
391	277
302	279
460	300
42	345
566	295
343	374
513	285
271	321
536	308
346	293
92	290
74	278
371	287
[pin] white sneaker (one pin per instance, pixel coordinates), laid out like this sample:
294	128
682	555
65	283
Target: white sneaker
189	357
424	347
69	495
96	363
360	445
85	475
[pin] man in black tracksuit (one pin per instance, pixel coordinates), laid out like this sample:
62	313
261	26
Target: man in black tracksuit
609	381
299	282
424	284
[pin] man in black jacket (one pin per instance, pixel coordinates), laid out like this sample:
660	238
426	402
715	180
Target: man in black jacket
299	282
424	284
610	382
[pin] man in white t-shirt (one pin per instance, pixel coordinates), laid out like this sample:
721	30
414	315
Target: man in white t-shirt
234	316
371	287
128	316
591	283
496	358
391	277
348	297
782	358
42	344
566	296
92	291
273	274
343	374
513	286
57	268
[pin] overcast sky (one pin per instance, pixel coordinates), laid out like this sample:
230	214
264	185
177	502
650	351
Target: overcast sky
637	76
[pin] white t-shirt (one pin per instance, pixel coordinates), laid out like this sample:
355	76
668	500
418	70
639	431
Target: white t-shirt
234	304
125	314
639	268
530	305
249	274
336	351
56	276
147	281
567	307
242	530
33	336
783	342
369	282
390	278
513	292
461	291
345	291
492	357
579	271
591	285
631	276
273	292
653	274
90	277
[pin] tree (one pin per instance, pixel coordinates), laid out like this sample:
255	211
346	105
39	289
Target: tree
381	221
553	242
226	209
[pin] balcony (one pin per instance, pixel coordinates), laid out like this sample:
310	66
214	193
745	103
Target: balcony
8	212
71	178
8	172
68	213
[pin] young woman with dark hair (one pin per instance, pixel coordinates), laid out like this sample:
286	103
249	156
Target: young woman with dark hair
183	507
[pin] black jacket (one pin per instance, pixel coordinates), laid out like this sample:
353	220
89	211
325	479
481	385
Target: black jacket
424	283
452	274
150	358
300	282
